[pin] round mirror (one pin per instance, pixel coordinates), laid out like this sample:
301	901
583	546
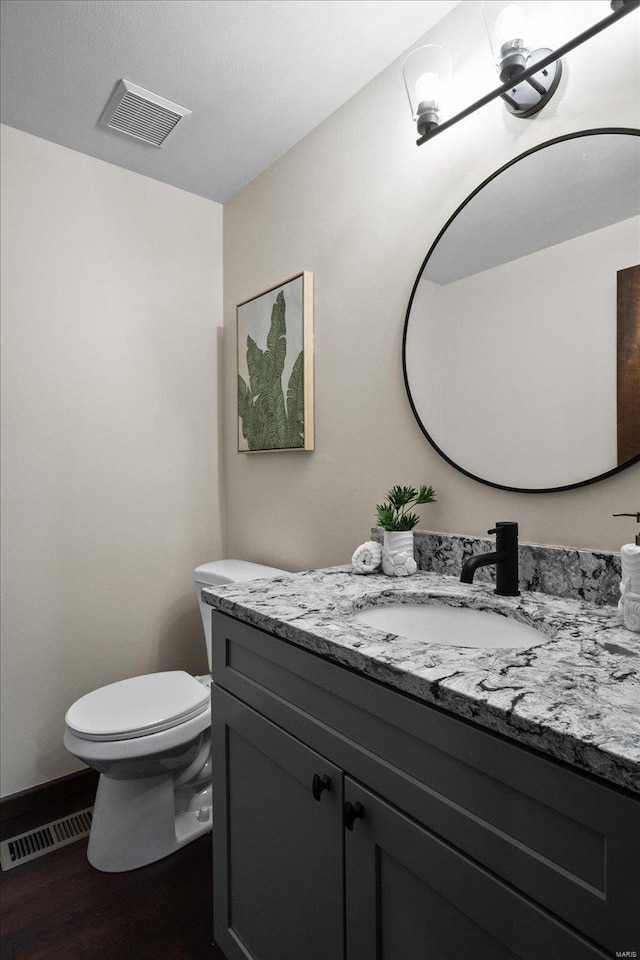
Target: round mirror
521	347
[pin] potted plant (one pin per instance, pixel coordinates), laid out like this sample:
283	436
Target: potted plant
397	521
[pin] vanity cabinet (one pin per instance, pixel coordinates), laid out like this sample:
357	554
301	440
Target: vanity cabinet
278	865
467	845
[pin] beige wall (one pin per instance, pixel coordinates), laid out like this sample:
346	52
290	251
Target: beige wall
112	299
358	204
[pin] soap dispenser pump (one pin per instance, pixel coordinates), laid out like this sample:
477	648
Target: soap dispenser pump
629	605
637	516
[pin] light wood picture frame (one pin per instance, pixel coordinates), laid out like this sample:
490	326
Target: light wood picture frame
275	368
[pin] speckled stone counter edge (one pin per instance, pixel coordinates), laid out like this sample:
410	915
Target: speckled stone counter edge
592	575
573	695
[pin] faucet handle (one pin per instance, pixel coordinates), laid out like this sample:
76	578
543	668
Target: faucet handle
505	527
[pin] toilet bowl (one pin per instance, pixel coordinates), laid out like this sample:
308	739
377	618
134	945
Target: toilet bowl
149	737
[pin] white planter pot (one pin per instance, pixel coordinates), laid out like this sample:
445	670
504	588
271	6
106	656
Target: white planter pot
631	611
397	553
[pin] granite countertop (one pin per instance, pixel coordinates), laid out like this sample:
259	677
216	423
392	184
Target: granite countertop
575	695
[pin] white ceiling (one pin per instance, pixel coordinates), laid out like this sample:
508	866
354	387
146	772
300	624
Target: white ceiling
257	74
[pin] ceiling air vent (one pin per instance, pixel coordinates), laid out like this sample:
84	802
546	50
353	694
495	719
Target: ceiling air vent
141	114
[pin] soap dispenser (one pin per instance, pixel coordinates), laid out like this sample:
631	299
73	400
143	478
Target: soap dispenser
629	605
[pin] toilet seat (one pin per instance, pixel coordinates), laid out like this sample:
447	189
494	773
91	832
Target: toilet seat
138	707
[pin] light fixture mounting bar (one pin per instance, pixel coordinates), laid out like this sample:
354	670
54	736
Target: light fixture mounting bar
536	68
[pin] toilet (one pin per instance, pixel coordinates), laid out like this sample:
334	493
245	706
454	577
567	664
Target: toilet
149	737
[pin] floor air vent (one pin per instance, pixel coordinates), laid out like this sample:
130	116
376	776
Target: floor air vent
52	836
141	114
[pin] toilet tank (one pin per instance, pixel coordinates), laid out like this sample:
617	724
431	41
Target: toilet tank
226	571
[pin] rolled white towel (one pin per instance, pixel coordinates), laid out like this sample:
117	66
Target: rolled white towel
630	557
367	558
398	565
630	611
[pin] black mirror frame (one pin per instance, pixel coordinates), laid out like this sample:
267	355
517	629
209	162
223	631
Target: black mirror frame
631	131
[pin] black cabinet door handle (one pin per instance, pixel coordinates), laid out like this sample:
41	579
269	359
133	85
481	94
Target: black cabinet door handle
319	784
352	812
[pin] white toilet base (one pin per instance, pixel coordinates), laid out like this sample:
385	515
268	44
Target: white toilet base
135	822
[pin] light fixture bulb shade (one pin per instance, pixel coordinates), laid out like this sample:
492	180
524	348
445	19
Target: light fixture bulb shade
510	25
427	73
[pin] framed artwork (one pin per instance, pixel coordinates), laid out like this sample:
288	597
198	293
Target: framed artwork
275	368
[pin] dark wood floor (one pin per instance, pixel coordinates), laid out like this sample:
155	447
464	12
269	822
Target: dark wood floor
60	908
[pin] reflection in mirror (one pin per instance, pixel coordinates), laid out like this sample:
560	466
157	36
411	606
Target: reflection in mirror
522	338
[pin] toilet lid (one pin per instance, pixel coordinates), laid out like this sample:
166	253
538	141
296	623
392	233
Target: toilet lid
138	707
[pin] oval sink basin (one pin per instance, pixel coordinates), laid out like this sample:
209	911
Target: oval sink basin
456	626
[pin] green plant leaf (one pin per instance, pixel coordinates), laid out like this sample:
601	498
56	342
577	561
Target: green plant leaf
385	516
393	515
426	495
260	435
277	338
245	410
264	434
407	521
278	414
401	496
257	367
295	403
244	396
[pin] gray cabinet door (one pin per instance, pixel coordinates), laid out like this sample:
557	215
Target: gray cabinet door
411	896
277	847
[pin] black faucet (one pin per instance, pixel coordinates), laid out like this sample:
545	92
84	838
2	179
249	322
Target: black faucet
505	557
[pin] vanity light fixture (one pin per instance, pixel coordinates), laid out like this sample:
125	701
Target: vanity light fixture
529	75
427	76
510	26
